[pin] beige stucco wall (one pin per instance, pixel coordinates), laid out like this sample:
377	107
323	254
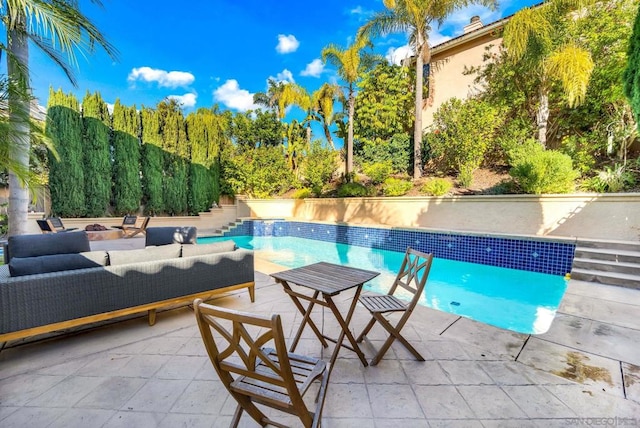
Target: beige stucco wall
613	216
448	66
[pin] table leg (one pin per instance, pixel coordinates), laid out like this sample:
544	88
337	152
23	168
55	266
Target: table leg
344	324
306	318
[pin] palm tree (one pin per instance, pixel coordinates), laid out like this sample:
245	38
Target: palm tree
350	63
322	102
531	36
281	95
55	27
415	18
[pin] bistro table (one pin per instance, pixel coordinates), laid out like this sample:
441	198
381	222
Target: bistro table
330	280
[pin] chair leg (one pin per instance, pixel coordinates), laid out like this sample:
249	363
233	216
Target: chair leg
366	329
394	334
245	404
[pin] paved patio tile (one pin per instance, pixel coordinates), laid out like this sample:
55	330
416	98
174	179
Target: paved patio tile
32	417
202	396
395	423
621	314
112	393
466	373
157	395
518	423
581	367
590	402
517	373
631	376
174	420
394	401
80	418
454	423
128	419
490	402
347	400
182	367
538	402
143	365
386	372
425	373
443	402
21	389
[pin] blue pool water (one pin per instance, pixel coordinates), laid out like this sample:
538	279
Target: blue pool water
522	301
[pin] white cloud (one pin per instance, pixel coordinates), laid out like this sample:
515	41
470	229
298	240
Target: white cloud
314	68
397	55
361	13
233	97
436	38
110	107
187	100
284	76
169	79
287	44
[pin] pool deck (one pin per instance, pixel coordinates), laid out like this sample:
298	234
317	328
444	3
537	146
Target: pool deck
127	374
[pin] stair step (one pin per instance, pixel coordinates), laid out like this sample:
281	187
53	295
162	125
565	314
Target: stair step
610	278
626	256
610	245
606	265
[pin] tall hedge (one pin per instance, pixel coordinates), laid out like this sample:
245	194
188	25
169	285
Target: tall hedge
96	153
632	72
152	162
176	157
127	188
66	175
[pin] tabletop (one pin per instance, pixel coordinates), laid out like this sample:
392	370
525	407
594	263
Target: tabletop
327	278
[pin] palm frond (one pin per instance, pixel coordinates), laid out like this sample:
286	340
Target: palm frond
572	65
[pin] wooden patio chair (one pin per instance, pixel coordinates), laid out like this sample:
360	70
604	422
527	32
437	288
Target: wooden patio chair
410	281
53	225
127	221
254	374
140	226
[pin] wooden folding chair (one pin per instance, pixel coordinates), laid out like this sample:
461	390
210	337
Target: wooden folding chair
140	226
127	221
254	374
55	225
411	280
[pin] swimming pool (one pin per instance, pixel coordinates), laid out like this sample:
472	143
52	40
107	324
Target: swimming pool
521	301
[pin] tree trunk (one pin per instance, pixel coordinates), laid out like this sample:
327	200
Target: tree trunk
327	134
19	94
417	127
542	118
349	160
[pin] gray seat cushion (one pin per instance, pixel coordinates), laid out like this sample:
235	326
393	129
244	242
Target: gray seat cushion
125	257
171	235
202	249
48	244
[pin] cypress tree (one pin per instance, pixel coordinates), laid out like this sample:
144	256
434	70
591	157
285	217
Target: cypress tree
201	133
96	154
176	157
66	175
127	188
152	162
632	72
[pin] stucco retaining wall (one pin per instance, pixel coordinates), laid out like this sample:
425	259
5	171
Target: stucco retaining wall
610	216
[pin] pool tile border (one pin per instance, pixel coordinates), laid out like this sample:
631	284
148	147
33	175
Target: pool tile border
533	254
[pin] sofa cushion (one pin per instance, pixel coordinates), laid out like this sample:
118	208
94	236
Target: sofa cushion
190	250
20	266
52	243
123	257
171	235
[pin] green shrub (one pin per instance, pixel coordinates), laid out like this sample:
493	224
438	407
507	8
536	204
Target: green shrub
611	180
378	172
465	176
580	149
436	187
395	187
352	189
302	193
318	166
541	171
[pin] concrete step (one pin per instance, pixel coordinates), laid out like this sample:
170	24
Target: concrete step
606	265
633	246
614	255
610	278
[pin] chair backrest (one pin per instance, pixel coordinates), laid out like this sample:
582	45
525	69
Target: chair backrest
144	223
412	276
56	222
129	220
239	347
45	226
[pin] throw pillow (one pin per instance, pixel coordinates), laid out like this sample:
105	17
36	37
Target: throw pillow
48	244
123	257
191	250
20	266
170	235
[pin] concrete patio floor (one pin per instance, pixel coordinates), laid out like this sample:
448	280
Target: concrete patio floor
127	374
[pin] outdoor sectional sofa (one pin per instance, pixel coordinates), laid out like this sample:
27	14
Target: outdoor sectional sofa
54	281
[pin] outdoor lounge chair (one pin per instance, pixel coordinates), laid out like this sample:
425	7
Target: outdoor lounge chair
140	226
53	225
127	221
256	375
411	279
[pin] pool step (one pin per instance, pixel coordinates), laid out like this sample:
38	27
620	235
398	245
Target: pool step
229	226
608	262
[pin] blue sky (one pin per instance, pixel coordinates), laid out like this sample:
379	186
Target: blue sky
223	51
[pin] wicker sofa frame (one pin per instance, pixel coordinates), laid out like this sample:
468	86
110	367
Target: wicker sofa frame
47	302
